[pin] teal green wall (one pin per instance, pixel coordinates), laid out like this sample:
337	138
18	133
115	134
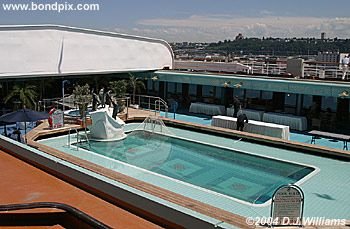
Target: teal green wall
306	87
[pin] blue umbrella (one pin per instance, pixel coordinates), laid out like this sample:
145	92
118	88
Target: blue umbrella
23	115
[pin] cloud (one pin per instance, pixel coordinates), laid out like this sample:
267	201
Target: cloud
219	27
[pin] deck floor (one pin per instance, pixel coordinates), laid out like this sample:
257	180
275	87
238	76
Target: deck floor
23	183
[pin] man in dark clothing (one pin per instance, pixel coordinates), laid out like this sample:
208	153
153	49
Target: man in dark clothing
102	97
108	99
115	108
240	121
236	106
95	100
17	132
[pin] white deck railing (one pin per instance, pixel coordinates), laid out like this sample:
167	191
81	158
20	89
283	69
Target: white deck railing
312	70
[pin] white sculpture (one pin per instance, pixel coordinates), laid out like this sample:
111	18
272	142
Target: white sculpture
105	128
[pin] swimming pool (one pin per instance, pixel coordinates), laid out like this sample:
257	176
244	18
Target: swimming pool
76	112
239	175
326	186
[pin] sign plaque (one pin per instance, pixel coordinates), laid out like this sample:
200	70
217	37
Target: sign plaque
287	206
57	119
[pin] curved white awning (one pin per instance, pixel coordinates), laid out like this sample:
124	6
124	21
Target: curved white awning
58	50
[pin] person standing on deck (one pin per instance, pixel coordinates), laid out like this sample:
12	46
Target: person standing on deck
236	106
108	98
240	121
345	65
114	102
102	97
95	100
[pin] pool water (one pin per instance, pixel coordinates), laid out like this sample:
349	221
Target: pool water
76	112
243	176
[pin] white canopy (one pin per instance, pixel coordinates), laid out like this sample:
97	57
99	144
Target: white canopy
58	50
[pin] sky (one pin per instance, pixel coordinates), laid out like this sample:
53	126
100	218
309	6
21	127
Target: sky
196	20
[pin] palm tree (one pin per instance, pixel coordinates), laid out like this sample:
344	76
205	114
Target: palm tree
27	94
136	85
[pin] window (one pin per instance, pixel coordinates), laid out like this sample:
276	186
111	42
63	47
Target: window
178	88
156	85
329	102
149	85
207	91
193	89
252	94
307	101
267	95
218	93
239	93
152	85
171	88
290	103
290	100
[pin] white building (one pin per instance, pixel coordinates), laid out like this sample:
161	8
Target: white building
330	57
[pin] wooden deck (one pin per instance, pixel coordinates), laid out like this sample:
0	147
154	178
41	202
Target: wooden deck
24	183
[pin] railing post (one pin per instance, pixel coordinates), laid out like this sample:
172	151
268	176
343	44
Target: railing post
76	131
127	107
69	137
267	69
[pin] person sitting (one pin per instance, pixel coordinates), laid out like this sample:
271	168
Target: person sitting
240	121
17	135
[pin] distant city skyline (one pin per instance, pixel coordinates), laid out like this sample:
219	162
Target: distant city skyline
199	20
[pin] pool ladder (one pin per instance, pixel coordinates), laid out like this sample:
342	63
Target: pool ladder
158	105
79	137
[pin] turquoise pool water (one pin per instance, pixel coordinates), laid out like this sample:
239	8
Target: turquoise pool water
239	175
76	113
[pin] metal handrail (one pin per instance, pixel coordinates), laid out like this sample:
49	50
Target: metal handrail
78	137
85	131
57	102
67	208
149	96
326	70
77	134
159	103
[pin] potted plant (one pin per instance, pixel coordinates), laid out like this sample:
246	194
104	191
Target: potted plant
119	89
136	85
82	97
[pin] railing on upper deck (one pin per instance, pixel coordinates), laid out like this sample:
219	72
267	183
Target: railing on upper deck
263	68
312	70
323	70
